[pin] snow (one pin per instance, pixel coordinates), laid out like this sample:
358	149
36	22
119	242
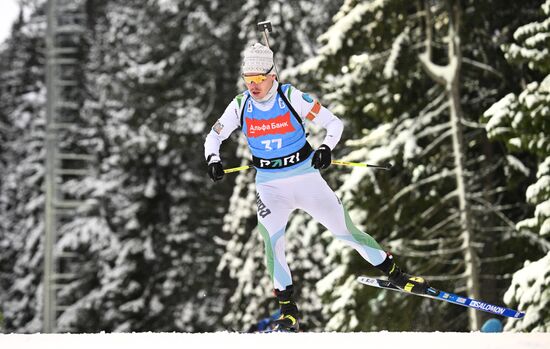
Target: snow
389	68
518	165
537	189
409	340
545	84
497	113
343	22
527	291
10	10
168	6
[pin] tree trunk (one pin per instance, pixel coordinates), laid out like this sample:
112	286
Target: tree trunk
449	76
470	256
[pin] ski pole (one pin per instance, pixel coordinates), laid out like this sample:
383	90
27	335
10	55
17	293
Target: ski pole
361	164
334	162
266	28
236	169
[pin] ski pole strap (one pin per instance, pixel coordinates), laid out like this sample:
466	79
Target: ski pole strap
283	161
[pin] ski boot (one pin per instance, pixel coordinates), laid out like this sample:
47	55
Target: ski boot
404	281
288	320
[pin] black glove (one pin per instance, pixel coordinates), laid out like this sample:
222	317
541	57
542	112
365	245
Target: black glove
322	157
215	171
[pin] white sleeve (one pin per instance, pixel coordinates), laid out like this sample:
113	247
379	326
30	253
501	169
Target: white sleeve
311	109
222	129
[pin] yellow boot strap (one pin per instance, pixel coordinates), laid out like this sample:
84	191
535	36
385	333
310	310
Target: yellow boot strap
290	317
409	286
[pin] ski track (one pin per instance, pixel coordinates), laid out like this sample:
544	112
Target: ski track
409	340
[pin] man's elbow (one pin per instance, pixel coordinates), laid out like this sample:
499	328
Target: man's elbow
338	125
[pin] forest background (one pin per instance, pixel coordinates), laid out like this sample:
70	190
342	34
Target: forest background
454	94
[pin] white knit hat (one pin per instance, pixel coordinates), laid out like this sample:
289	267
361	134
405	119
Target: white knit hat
258	59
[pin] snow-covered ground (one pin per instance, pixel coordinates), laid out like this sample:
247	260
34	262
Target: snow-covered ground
389	340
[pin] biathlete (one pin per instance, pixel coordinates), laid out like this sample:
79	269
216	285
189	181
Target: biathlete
271	116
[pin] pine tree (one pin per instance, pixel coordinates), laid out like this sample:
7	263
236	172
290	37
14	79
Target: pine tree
144	247
153	74
520	121
370	59
22	115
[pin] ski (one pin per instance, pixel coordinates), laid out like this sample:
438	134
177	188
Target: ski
447	297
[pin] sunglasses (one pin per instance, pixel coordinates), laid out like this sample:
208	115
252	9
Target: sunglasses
257	79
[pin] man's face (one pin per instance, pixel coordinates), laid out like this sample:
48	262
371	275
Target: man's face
258	90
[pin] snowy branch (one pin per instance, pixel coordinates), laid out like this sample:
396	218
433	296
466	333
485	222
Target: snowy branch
471	124
436	101
424	242
431	130
543	243
446	278
500	208
506	257
430	211
439	226
427	213
440	74
482	66
447	74
438	252
434	178
436	142
497	277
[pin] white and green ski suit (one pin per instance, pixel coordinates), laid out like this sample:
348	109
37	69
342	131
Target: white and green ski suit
285	179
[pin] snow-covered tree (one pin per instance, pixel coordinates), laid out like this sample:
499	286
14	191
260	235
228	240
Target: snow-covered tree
22	117
143	250
374	77
152	81
521	122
